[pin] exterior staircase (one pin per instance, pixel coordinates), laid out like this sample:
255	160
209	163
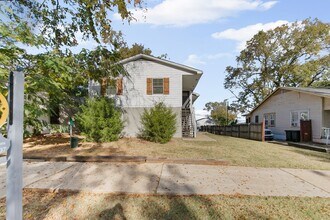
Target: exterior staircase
187	124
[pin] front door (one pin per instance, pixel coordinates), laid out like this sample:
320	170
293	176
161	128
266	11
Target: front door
306	130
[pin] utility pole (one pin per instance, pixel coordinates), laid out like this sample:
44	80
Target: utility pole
14	181
226	112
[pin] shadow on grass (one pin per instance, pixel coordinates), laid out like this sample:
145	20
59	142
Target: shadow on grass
42	140
322	157
62	148
88	205
116	212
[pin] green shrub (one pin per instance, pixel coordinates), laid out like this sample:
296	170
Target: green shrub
100	120
158	124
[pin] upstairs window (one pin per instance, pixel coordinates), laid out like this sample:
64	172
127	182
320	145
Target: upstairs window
115	87
111	90
157	86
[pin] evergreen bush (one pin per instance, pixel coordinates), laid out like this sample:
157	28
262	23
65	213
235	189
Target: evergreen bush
158	124
100	120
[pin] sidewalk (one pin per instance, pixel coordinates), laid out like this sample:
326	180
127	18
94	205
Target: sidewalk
163	178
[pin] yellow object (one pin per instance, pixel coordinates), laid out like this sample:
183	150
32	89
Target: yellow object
4	109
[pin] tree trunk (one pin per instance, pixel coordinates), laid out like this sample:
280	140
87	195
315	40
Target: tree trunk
103	83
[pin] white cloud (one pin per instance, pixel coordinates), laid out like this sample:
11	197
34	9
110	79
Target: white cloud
190	12
218	56
201	114
194	60
244	34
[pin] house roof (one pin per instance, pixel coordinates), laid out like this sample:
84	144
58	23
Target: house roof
195	96
320	92
162	61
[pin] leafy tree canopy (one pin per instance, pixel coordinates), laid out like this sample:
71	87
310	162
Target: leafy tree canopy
135	49
296	55
221	113
58	73
59	21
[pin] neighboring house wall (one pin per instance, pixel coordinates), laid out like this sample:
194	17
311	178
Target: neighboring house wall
204	122
326	113
282	103
134	98
326	105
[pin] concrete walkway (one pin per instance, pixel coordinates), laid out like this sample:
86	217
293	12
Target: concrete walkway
160	178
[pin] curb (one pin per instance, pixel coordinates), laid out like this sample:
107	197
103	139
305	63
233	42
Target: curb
123	159
302	146
137	159
188	161
308	147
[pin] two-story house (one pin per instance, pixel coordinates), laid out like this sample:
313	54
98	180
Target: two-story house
152	80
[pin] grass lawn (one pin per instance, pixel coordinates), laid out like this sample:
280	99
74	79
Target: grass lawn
39	205
236	151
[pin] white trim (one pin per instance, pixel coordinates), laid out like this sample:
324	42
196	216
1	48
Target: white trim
158	78
269	120
299	117
162	61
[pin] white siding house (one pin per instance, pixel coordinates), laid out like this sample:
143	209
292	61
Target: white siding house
152	80
286	106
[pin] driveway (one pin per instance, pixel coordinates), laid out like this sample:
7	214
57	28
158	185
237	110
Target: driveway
163	178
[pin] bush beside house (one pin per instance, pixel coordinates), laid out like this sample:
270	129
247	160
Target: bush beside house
158	124
100	120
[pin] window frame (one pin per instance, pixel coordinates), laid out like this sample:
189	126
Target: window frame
158	86
111	90
255	119
296	124
269	118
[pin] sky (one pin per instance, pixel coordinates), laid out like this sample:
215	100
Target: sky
208	34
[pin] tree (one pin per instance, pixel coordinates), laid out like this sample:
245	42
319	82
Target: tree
50	74
100	120
221	113
126	51
59	22
295	55
135	49
101	65
58	73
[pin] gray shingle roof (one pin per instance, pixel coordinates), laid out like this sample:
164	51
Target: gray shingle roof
321	92
162	61
313	91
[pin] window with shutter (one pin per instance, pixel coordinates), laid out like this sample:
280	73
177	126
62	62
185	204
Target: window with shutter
149	86
158	86
166	86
